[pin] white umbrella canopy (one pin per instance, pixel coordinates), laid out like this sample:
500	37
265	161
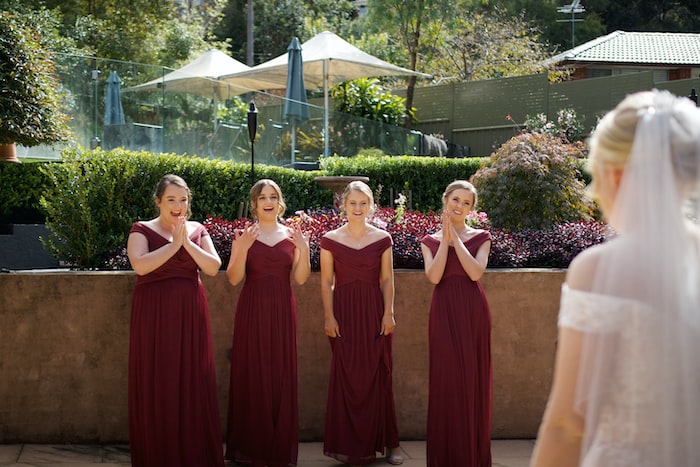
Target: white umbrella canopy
328	60
200	77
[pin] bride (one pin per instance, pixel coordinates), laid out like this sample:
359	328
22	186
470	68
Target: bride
626	389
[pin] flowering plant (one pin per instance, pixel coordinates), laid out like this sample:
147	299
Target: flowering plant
568	125
400	207
554	247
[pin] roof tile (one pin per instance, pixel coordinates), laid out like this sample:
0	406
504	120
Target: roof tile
657	48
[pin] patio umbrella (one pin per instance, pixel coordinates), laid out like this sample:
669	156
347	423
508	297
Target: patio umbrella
200	77
328	60
296	109
114	113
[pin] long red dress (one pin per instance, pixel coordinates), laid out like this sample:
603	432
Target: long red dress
263	420
173	409
459	400
360	415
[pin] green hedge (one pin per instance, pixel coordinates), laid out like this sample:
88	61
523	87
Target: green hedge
21	186
425	177
90	199
94	196
219	187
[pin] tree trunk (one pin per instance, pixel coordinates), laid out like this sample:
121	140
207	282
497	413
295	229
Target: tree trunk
8	153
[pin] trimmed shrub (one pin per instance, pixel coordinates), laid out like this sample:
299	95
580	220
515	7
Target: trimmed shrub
424	177
31	101
93	197
533	181
21	186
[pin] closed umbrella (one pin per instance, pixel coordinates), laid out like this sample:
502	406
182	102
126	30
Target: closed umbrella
114	113
296	109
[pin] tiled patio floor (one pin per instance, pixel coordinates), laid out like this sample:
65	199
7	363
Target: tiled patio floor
505	453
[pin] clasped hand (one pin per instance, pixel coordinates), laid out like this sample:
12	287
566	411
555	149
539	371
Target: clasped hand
180	235
449	234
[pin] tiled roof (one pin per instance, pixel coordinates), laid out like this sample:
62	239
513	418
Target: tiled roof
653	48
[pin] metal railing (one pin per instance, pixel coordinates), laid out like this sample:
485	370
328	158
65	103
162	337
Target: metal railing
202	125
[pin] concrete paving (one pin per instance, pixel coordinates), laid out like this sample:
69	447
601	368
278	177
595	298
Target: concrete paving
505	453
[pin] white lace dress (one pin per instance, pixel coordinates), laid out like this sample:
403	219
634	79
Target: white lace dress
636	398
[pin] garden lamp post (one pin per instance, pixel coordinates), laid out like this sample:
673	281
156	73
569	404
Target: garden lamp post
252	129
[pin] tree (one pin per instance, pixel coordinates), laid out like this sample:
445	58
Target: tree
365	98
605	16
29	99
46	23
415	23
532	182
647	15
278	21
162	33
232	29
490	44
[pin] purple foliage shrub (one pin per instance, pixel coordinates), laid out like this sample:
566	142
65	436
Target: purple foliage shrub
553	247
548	248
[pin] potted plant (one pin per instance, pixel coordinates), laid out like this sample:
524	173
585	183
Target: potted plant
29	99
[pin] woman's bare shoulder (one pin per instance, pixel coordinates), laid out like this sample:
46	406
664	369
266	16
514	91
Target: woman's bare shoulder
377	233
582	270
334	234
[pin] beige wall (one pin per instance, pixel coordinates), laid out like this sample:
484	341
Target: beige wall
64	343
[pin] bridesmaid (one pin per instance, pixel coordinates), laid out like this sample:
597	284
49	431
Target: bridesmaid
263	421
357	290
173	409
459	401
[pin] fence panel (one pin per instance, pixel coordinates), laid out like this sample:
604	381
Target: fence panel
474	117
480	107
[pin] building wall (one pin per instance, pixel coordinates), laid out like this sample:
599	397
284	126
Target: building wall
64	352
474	113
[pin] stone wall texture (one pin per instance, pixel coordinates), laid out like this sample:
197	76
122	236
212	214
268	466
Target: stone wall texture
64	339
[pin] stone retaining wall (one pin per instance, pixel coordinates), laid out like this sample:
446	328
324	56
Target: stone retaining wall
64	350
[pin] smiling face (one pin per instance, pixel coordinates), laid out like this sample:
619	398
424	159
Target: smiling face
357	205
267	204
174	203
262	194
458	203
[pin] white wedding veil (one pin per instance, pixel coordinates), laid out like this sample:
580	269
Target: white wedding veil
638	385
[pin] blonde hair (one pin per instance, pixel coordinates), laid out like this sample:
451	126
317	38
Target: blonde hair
363	188
611	142
257	189
460	185
170	179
